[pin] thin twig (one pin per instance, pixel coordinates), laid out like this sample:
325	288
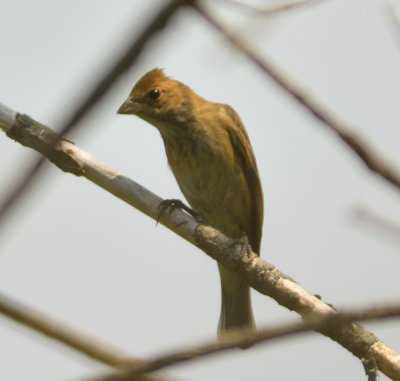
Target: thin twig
75	340
270	10
372	160
123	63
378	223
245	339
394	19
259	274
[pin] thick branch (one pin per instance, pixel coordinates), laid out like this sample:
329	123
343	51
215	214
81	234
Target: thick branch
372	160
259	274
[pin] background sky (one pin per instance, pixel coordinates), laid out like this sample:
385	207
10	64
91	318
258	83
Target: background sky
85	258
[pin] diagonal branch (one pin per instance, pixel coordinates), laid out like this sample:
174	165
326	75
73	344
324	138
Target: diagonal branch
157	23
77	341
371	159
27	316
259	274
378	223
393	17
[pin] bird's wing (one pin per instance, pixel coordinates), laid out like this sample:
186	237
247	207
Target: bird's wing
240	141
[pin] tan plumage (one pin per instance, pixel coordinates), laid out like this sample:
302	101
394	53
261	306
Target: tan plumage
210	155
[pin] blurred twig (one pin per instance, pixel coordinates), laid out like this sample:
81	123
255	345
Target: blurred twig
94	93
77	341
373	161
243	339
259	274
394	19
270	10
57	331
379	223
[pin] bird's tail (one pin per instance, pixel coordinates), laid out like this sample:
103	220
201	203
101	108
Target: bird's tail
236	311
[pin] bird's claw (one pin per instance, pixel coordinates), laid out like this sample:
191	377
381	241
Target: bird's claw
244	243
329	304
172	204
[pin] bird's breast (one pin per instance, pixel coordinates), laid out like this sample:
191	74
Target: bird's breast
211	180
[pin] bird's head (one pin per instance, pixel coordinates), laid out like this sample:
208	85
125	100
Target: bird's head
158	99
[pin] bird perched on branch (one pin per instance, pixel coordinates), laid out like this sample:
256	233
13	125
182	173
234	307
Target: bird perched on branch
211	157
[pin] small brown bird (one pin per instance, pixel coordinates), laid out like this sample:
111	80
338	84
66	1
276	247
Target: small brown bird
210	155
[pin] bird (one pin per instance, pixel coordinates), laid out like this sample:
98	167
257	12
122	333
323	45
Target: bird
210	155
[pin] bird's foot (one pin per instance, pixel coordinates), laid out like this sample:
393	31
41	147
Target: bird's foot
171	204
243	241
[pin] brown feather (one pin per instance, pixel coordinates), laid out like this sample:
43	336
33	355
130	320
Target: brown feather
150	80
240	141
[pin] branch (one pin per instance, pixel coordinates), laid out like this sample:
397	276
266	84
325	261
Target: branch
123	63
372	160
259	274
270	10
245	338
394	19
77	341
379	223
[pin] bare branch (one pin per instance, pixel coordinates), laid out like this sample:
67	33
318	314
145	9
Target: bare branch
259	274
157	23
77	341
372	160
378	223
245	339
393	16
57	331
271	10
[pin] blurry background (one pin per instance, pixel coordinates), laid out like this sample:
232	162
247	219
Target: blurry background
83	257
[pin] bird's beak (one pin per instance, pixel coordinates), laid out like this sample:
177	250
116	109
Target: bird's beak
129	107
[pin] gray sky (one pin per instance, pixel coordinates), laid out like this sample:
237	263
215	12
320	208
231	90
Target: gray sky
83	257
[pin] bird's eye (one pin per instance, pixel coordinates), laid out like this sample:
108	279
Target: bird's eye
154	94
